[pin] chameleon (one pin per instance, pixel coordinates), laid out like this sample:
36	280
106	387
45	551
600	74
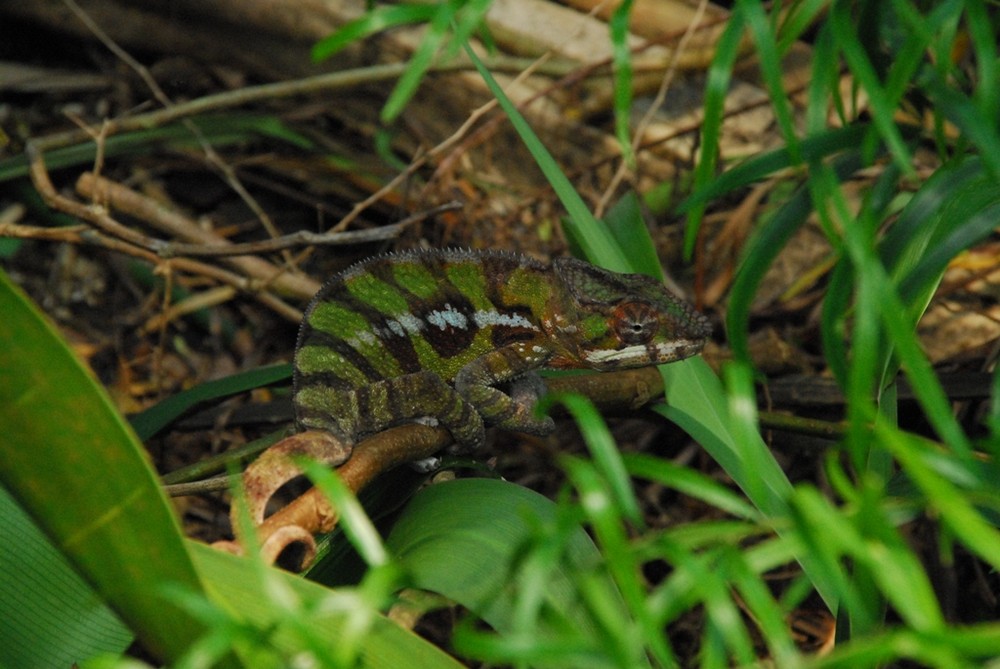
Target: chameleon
455	337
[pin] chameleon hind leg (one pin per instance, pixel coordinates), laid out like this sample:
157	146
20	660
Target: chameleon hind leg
413	397
356	412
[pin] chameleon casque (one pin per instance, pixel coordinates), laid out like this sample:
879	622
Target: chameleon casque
453	337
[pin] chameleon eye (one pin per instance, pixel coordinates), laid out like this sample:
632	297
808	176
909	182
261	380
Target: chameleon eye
635	322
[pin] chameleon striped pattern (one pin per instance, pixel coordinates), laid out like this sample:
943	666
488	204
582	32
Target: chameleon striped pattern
448	337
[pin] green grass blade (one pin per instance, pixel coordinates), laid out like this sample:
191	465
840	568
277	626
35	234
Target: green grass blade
602	449
821	145
217	130
716	90
621	56
970	218
307	615
594	238
449	25
697	403
875	283
764	247
770	65
353	521
920	225
690	482
420	61
883	107
625	221
608	524
371	22
954	508
984	44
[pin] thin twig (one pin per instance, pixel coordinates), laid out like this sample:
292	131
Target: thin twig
93	214
214	159
128	201
331	81
116	237
215	484
307	238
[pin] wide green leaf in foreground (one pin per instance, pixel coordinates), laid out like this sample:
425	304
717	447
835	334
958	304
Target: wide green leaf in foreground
71	462
69	459
48	616
505	553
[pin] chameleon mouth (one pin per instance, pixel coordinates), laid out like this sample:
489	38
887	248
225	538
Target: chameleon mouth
641	355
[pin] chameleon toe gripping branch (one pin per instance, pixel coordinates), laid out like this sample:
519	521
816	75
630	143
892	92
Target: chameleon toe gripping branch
453	338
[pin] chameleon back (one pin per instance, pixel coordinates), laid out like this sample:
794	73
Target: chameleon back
400	314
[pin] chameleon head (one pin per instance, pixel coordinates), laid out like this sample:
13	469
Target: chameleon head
617	321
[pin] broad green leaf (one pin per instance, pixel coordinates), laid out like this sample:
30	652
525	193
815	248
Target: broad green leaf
49	617
696	402
469	540
71	462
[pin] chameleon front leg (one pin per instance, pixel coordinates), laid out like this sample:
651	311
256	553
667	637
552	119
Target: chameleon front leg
477	382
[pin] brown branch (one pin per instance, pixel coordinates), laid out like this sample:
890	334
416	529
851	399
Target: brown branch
114	236
379	453
166	220
333	81
312	511
306	238
96	216
214	159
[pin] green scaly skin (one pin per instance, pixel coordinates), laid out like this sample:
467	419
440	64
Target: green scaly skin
449	337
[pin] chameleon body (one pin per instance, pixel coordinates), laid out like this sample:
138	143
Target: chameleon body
453	337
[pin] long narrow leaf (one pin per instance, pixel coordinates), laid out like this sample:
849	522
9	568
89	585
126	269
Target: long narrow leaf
716	89
594	238
149	422
71	462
